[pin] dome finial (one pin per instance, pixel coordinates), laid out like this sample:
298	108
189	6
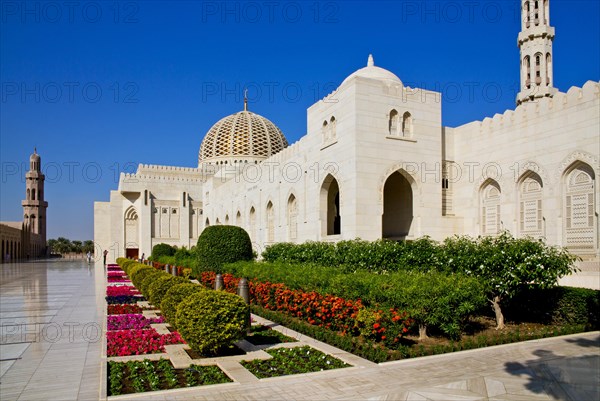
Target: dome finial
35	150
370	62
246	99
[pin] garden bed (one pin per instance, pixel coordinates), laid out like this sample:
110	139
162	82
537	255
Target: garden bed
291	361
263	335
141	376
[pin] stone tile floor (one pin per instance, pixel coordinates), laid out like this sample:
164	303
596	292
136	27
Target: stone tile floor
51	321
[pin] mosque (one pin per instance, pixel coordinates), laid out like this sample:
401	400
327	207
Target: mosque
27	239
377	162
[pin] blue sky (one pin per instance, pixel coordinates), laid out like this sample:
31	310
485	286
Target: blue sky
100	86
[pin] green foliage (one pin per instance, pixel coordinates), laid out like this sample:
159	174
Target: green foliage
159	250
210	321
158	288
150	278
558	305
218	245
139	273
127	264
173	298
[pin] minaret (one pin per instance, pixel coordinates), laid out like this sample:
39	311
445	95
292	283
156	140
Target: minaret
34	205
535	44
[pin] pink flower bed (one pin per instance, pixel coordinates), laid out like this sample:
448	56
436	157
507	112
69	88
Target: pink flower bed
116	274
138	342
118	280
118	290
131	321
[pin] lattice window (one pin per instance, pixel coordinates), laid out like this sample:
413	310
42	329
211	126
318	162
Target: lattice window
490	209
530	206
293	218
580	209
270	223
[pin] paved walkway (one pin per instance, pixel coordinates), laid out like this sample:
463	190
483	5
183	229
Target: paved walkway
50	351
50	326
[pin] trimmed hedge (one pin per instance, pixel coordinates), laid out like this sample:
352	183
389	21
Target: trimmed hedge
139	273
558	305
218	245
150	278
159	250
158	289
173	298
211	321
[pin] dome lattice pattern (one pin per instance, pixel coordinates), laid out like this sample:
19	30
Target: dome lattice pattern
244	136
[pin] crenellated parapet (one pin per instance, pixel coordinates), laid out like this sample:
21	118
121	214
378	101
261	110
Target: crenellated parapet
530	111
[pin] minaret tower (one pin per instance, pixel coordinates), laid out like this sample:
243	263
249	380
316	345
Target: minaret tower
34	205
535	44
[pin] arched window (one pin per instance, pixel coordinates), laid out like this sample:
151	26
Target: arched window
580	208
218	222
332	124
527	14
227	219
238	219
28	194
325	131
207	223
490	222
252	222
527	66
549	69
407	125
530	205
393	123
33	194
270	222
292	218
538	62
330	206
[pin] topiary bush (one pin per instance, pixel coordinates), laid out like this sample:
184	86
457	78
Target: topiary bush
149	279
139	273
158	288
218	245
173	298
210	321
159	250
128	264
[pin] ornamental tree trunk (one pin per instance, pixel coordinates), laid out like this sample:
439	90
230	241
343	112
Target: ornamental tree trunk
498	311
422	332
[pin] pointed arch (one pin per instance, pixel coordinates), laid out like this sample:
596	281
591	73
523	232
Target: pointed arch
238	219
397	217
292	214
580	208
330	202
407	125
131	231
252	222
530	204
207	223
226	219
393	122
490	222
270	215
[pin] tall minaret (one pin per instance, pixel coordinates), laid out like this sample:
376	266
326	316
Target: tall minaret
535	44
34	205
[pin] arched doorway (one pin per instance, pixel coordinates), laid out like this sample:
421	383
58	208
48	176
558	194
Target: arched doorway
397	207
131	233
330	206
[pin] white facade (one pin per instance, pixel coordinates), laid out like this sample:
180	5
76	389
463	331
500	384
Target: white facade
376	162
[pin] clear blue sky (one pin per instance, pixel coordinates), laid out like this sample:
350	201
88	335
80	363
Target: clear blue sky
101	86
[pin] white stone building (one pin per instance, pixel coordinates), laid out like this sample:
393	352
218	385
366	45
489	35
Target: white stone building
376	162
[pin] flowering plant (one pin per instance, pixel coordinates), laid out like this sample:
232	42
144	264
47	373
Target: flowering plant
118	290
131	321
138	342
123	309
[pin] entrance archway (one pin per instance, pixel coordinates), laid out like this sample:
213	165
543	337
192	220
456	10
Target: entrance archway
397	207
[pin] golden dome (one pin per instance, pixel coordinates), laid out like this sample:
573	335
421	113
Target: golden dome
241	138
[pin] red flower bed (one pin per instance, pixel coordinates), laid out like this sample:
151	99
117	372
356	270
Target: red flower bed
327	311
118	290
138	342
123	309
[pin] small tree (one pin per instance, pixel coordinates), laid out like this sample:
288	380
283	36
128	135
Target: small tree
162	250
218	245
505	264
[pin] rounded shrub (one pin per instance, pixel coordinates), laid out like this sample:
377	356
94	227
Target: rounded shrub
173	298
139	273
210	321
218	245
159	250
158	288
128	264
149	279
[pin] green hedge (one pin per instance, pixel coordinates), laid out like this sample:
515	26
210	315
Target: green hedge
558	305
159	250
173	298
211	321
150	279
218	245
160	286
